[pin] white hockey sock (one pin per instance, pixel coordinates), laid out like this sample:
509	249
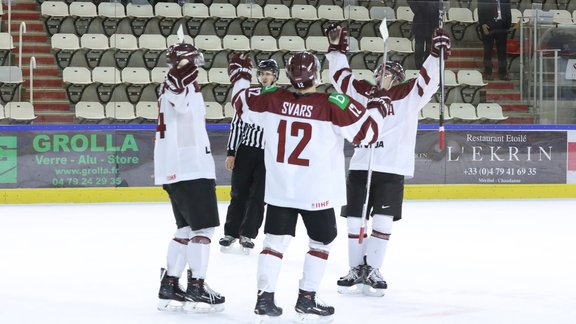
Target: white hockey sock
356	250
270	261
314	266
176	255
198	255
377	243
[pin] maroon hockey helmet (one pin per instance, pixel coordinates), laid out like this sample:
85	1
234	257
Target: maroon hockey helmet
302	70
181	51
393	68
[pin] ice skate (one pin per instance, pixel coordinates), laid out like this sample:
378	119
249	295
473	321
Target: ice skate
200	298
374	284
171	296
247	244
226	243
353	282
309	310
266	310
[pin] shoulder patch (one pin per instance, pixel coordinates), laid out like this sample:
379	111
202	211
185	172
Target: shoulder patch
340	100
269	89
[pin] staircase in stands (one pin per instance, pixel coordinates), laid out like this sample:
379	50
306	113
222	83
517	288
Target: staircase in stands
50	101
505	93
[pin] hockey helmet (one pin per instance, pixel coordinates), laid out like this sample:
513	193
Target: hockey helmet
269	65
303	70
392	67
181	51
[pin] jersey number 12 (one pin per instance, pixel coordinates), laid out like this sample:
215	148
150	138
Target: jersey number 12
295	129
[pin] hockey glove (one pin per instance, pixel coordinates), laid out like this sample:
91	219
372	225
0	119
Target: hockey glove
240	67
178	79
337	38
440	42
380	101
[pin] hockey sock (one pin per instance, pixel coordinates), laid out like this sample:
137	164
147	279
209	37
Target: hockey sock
355	249
270	261
377	243
176	256
314	266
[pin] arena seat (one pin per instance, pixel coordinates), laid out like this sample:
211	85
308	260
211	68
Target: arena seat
459	20
152	47
6	46
198	20
111	14
10	82
54	13
64	47
307	21
357	17
107	79
76	80
83	14
124	46
214	110
465	112
169	13
20	111
147	110
135	80
250	14
140	16
405	16
431	112
470	82
94	45
491	112
89	111
120	111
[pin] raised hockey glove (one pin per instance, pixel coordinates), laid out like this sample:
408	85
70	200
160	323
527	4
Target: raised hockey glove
337	38
178	79
381	102
240	67
440	42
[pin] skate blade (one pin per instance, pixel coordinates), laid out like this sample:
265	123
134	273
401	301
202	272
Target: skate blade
265	319
352	290
194	307
234	250
246	251
373	292
312	318
169	305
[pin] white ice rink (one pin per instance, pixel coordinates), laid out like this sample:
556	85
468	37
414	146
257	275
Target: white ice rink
469	262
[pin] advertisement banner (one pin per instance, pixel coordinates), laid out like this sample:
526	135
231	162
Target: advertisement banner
122	155
493	157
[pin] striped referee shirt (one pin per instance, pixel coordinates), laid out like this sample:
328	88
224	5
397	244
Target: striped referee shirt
245	134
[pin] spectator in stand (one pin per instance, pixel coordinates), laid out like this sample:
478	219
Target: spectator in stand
494	19
426	20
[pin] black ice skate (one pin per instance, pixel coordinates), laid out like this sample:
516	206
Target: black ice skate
200	298
265	306
171	296
310	310
352	283
374	284
226	243
247	244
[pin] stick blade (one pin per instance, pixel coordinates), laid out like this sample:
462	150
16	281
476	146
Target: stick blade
384	29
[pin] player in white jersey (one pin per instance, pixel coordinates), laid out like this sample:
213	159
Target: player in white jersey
393	155
184	166
305	172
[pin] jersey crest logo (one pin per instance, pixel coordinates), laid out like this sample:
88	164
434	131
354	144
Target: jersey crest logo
339	100
268	89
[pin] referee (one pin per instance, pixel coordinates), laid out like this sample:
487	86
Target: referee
246	161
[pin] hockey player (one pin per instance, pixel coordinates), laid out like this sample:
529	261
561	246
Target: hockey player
184	166
246	161
305	173
393	156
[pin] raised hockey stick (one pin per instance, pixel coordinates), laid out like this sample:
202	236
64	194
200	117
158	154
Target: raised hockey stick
441	81
384	32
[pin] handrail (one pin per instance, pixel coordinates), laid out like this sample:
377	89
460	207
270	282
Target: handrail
9	3
32	67
22	31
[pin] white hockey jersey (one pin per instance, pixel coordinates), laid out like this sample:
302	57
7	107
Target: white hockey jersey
304	141
393	153
182	148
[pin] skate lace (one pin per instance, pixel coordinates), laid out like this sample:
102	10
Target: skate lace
353	274
375	275
211	293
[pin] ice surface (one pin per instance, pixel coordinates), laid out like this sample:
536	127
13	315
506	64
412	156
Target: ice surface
470	262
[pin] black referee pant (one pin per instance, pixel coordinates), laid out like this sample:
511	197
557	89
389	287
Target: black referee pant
246	209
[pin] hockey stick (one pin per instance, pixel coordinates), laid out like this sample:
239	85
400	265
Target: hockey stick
384	32
441	81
